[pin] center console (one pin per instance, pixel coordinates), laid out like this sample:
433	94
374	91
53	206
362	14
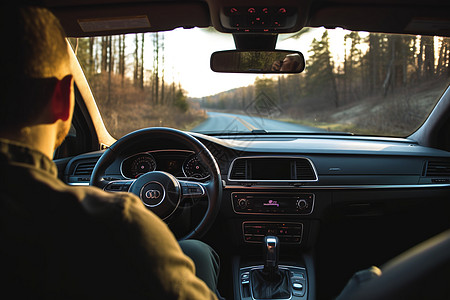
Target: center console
287	215
272	278
296	277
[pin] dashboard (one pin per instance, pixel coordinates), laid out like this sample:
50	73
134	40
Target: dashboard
270	179
334	196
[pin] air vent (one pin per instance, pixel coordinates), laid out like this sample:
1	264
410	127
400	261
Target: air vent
304	170
84	168
438	168
272	169
239	170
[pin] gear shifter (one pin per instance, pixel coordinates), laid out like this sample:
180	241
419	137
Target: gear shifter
270	282
271	253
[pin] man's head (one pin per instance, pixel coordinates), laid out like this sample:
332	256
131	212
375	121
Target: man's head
291	62
34	71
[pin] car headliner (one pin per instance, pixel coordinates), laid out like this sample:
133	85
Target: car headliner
430	17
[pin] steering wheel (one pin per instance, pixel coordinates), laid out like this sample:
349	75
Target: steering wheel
159	191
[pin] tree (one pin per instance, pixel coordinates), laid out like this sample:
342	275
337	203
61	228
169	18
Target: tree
141	72
180	101
136	60
352	66
121	68
265	86
321	77
155	84
429	56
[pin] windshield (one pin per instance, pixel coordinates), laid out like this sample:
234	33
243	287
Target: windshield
354	82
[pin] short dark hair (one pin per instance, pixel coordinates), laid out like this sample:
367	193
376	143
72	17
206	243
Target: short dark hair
34	50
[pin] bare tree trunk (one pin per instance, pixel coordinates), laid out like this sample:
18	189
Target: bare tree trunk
163	69
92	67
122	58
141	78
346	71
136	61
420	58
110	64
388	78
429	57
441	65
104	64
156	67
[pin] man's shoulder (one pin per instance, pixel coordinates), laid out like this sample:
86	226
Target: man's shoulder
98	202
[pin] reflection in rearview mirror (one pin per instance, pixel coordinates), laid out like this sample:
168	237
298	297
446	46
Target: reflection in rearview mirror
274	61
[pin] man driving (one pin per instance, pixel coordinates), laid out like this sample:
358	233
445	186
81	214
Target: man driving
63	242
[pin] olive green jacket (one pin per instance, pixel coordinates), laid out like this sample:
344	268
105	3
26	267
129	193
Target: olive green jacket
71	242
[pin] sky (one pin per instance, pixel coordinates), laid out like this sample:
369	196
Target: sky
188	52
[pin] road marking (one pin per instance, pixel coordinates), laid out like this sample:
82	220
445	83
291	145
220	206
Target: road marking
246	124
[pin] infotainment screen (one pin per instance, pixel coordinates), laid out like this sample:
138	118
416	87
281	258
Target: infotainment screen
271	169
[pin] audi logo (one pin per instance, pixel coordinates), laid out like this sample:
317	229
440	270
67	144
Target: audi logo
152	194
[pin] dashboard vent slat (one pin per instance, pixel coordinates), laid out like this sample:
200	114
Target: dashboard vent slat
239	170
438	168
84	168
304	170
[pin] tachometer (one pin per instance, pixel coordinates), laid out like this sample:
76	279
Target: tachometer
193	167
139	164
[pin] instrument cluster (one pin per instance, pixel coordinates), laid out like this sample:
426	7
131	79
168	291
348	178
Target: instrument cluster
180	163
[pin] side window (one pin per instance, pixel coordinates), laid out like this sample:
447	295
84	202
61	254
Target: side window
69	146
80	137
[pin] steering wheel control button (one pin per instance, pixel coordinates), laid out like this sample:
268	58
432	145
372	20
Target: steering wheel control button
191	189
118	186
153	194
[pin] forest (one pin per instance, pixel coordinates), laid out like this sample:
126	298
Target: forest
374	91
385	84
129	95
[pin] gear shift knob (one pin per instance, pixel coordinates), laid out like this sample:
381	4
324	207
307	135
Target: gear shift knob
271	252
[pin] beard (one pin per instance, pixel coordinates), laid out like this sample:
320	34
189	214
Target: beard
62	131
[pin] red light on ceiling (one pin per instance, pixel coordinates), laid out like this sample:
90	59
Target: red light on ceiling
282	10
251	10
233	10
265	10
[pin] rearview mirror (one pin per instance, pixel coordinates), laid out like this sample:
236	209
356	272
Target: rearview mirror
273	61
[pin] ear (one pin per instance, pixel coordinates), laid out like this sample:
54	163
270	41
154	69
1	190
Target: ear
61	105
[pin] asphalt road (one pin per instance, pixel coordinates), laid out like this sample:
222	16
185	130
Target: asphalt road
224	122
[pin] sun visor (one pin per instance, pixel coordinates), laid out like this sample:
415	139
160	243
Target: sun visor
414	20
83	21
113	24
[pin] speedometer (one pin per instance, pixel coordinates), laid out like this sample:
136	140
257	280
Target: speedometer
139	164
193	167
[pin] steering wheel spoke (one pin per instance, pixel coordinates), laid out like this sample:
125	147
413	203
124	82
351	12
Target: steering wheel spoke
118	185
192	189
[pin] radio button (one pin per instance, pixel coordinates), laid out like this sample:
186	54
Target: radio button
242	203
302	204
